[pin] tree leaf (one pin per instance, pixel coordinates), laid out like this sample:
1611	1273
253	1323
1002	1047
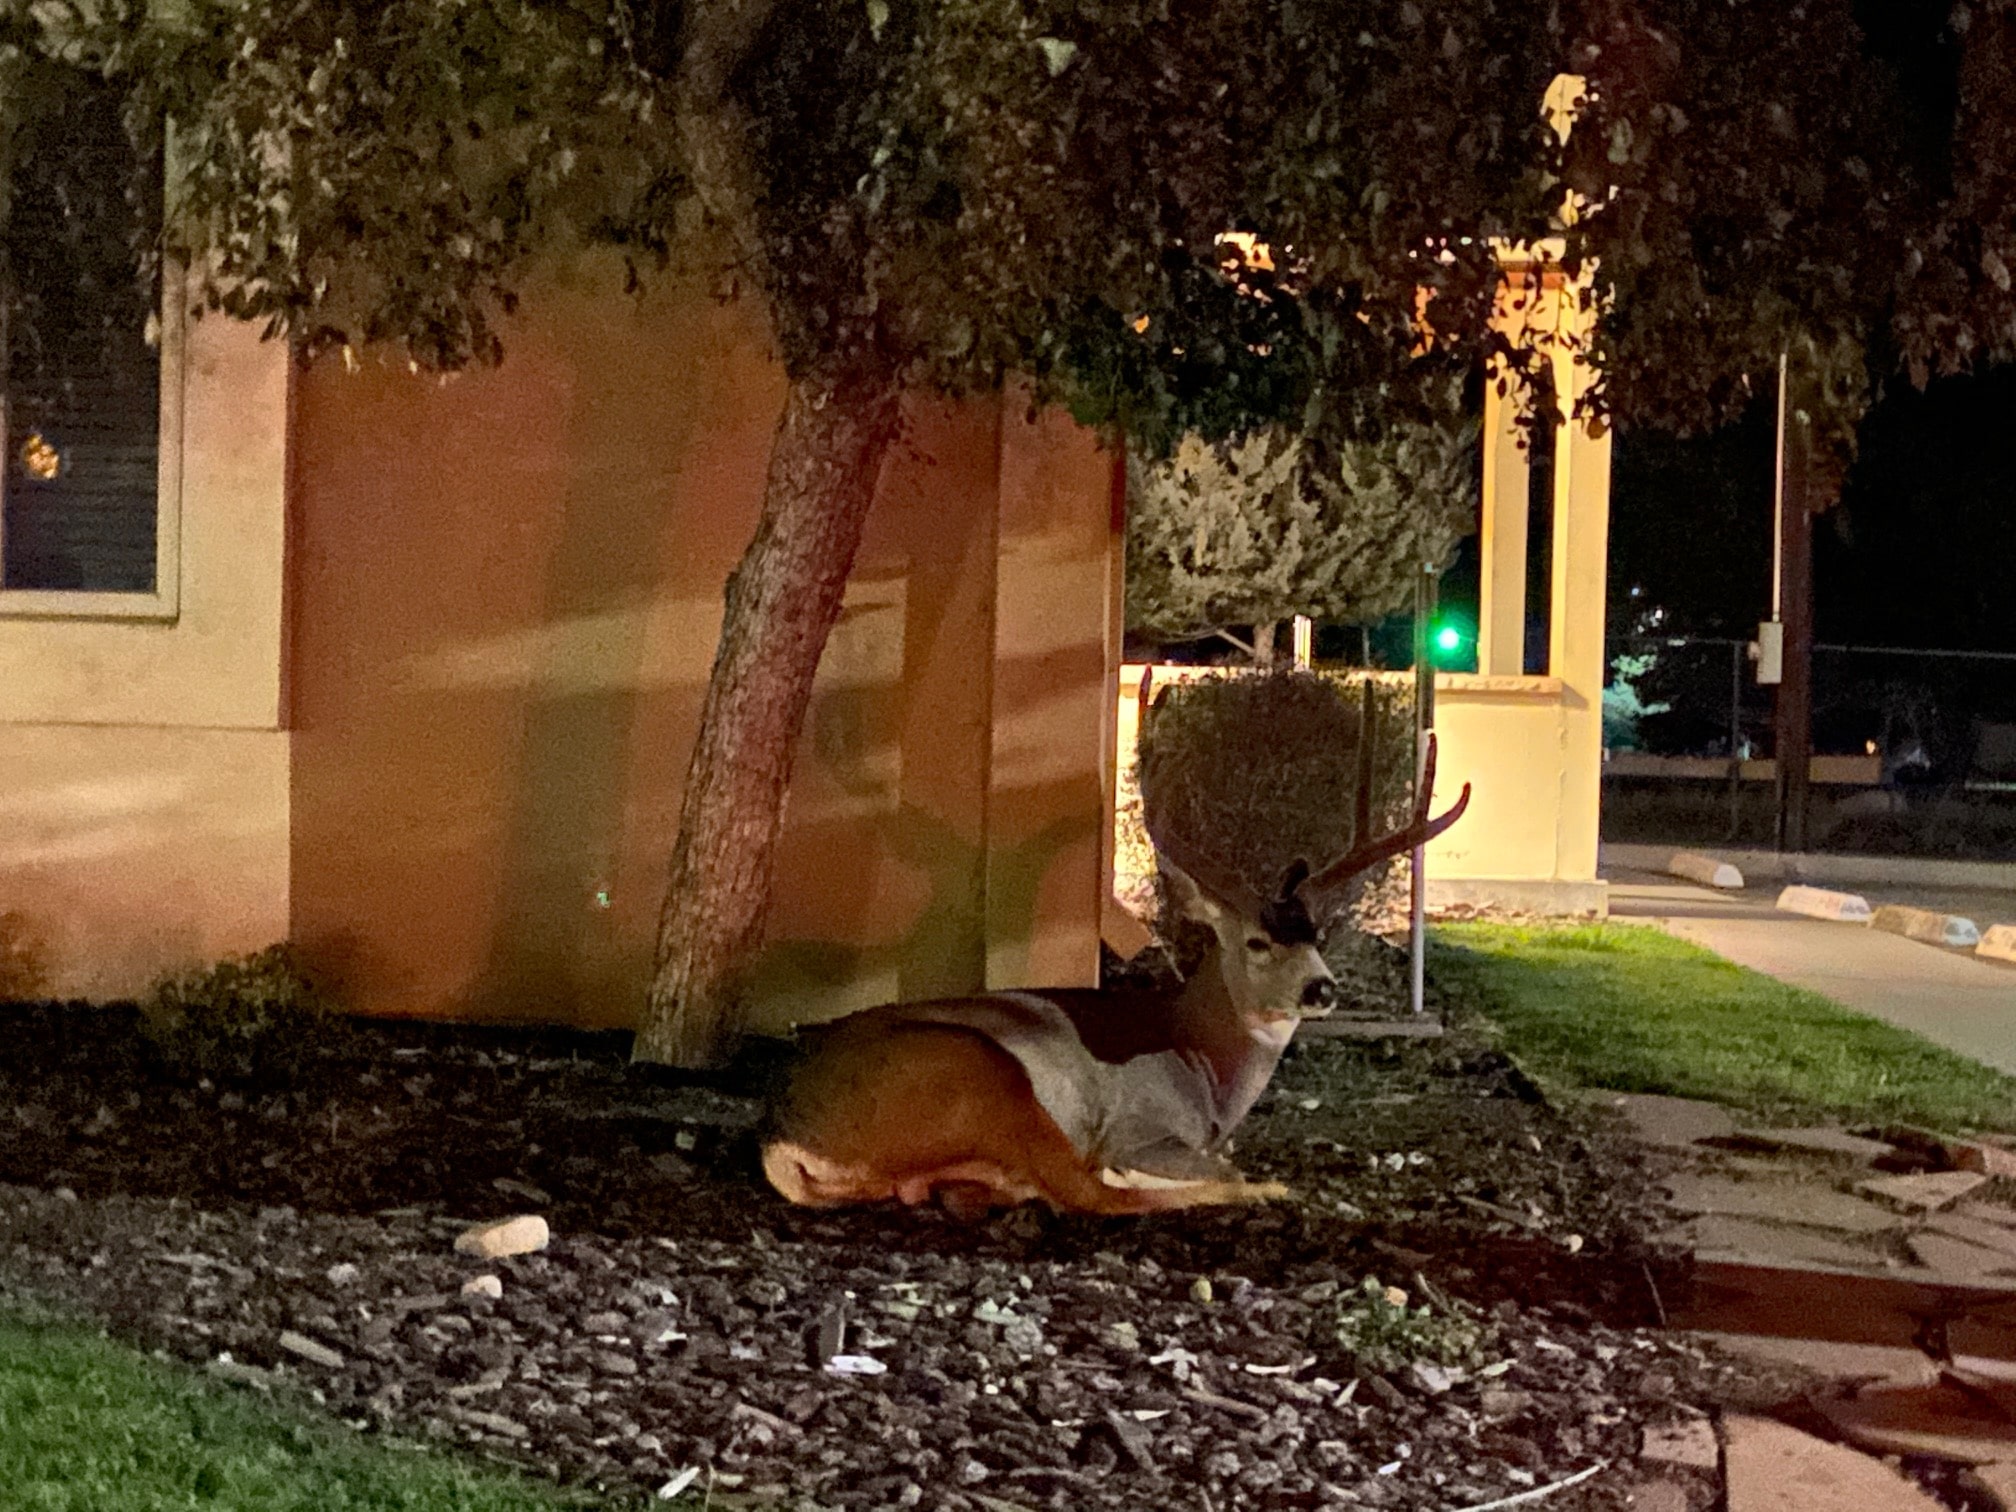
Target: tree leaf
1058	54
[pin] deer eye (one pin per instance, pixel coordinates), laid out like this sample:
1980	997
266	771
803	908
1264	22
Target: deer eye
1257	942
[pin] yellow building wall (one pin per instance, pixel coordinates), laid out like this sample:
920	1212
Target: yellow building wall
143	766
507	590
1515	742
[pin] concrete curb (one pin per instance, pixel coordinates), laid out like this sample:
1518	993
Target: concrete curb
1926	926
1822	903
1832	870
1707	870
1998	944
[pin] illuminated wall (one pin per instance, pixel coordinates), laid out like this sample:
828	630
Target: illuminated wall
506	591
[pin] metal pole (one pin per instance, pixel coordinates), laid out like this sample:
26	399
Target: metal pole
1778	502
1735	738
1425	594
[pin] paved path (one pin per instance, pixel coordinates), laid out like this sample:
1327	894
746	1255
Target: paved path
1951	998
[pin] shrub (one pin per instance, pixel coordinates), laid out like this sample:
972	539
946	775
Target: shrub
1258	769
247	1019
1381	1332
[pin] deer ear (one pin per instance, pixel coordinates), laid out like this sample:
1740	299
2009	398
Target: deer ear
1192	901
1292	879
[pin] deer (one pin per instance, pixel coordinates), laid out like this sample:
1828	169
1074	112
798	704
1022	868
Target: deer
1088	1100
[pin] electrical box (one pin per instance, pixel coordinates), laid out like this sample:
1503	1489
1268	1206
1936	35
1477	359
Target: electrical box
1770	652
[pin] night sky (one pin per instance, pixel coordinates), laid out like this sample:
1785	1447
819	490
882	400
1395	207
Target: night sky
1919	552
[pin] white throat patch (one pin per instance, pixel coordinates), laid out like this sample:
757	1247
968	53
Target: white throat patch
1275	1033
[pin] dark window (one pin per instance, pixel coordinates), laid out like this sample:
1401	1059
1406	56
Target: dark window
82	385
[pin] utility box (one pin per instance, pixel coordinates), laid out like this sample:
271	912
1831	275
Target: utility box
1770	651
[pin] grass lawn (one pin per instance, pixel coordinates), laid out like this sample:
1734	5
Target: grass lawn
88	1426
1631	1007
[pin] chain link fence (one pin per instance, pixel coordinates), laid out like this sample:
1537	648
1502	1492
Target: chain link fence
1915	749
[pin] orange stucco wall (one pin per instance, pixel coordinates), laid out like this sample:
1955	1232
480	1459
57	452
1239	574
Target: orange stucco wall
504	598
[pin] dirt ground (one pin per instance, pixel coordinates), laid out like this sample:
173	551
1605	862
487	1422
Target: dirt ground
298	1239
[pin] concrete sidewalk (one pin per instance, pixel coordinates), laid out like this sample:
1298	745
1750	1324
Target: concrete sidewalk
1953	999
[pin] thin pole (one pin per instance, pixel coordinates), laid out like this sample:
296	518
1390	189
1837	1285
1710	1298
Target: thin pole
1735	738
1425	594
1778	503
1795	585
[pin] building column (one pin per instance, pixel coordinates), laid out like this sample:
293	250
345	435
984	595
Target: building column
1501	608
1581	564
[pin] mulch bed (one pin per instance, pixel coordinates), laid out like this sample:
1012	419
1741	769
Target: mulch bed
681	1319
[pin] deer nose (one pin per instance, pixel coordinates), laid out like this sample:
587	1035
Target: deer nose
1321	993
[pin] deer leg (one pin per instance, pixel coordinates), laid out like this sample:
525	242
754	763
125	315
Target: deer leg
1082	1190
1163	1199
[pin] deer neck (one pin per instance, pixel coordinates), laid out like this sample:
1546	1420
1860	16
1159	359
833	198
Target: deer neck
1241	1056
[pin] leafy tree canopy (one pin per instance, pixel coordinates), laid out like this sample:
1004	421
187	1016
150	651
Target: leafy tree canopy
944	190
939	192
1825	179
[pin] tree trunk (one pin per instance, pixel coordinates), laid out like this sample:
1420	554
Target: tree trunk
1263	643
781	603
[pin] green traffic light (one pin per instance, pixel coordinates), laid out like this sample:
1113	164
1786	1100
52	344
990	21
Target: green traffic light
1448	638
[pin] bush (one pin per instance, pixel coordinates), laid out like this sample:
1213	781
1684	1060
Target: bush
1259	769
248	1019
1381	1332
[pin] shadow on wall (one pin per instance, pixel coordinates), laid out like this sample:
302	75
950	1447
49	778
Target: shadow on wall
576	749
807	981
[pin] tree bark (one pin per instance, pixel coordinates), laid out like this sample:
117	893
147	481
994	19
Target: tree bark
781	603
1263	643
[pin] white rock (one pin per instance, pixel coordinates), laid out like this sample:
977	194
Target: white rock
1824	903
1999	943
309	1350
1432	1379
1706	870
342	1274
508	1236
679	1483
854	1365
483	1286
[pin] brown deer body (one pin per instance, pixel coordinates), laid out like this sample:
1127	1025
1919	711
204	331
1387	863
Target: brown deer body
1095	1102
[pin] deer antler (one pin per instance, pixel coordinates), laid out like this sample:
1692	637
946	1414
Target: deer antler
1366	854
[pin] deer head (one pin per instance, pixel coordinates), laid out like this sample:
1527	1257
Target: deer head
1268	953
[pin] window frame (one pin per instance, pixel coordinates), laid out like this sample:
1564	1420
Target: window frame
164	603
